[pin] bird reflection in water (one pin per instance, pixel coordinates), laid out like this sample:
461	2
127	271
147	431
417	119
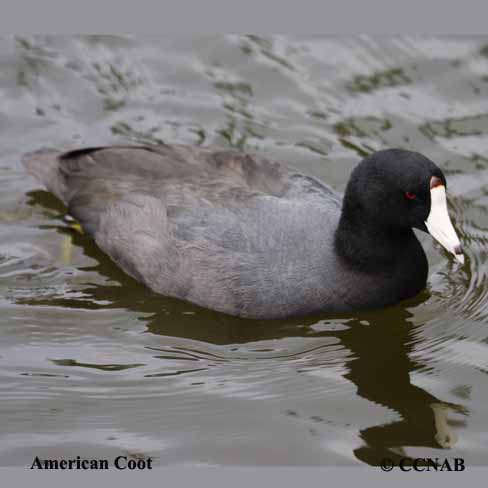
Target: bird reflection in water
381	370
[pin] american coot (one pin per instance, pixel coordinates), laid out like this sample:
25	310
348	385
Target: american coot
250	237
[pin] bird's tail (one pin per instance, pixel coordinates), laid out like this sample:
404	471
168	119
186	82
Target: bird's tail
44	165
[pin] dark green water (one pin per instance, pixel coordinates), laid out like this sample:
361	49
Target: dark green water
95	365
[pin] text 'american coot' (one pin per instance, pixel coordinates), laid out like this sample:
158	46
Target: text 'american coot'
250	237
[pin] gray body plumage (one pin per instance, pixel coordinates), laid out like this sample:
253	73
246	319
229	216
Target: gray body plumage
226	230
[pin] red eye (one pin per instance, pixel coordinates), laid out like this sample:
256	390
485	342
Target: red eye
410	196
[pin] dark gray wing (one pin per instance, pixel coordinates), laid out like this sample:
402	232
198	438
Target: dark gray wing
87	180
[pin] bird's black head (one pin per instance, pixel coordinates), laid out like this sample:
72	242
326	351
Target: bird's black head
394	190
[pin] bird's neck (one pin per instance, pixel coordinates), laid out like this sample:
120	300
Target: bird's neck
364	243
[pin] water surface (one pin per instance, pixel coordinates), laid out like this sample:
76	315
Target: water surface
94	364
